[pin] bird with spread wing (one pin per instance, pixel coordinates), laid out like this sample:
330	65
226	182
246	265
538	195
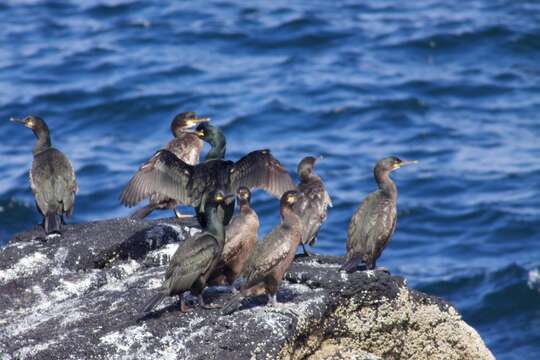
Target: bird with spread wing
169	176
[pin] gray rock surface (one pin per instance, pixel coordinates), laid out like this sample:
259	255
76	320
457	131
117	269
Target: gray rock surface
77	297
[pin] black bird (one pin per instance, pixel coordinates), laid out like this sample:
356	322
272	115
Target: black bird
215	137
196	257
52	178
169	176
272	257
374	222
240	240
186	146
312	207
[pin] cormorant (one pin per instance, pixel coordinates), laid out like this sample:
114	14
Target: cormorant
196	257
374	222
169	176
186	146
215	138
312	206
272	257
240	240
52	178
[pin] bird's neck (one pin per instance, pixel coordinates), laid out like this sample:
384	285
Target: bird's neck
308	177
288	216
385	183
218	146
43	141
216	228
179	132
244	207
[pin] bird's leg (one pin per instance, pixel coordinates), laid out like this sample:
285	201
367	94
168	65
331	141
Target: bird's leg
205	305
272	300
306	252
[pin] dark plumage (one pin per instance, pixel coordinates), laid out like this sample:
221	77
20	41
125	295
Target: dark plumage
169	176
186	146
240	240
196	257
52	178
374	222
272	257
312	206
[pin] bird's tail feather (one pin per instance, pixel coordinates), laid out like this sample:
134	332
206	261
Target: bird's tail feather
233	304
150	304
142	212
352	265
52	223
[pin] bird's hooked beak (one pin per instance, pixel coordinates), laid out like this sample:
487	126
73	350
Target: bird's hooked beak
198	120
21	121
405	163
291	199
319	158
243	195
200	134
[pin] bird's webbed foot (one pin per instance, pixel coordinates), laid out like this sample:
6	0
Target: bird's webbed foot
272	300
206	306
184	309
382	269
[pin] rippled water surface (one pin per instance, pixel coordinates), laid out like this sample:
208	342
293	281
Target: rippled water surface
453	84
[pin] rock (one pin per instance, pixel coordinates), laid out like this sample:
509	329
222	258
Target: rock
77	297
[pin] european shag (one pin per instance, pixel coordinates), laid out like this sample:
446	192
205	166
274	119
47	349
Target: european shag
186	146
196	257
52	178
374	222
240	240
312	206
272	257
169	176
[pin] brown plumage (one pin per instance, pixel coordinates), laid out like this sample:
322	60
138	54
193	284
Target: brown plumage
196	257
312	206
240	240
373	224
272	257
186	146
52	178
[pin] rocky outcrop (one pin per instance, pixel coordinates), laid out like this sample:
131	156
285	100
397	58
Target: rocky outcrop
77	297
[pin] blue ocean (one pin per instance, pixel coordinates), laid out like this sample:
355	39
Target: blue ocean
455	85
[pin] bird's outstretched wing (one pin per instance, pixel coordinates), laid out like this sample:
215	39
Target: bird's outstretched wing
163	174
259	169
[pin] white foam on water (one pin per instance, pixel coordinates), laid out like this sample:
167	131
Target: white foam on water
533	280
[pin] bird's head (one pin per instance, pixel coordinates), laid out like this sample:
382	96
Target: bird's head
243	195
306	166
32	122
290	198
392	163
186	120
